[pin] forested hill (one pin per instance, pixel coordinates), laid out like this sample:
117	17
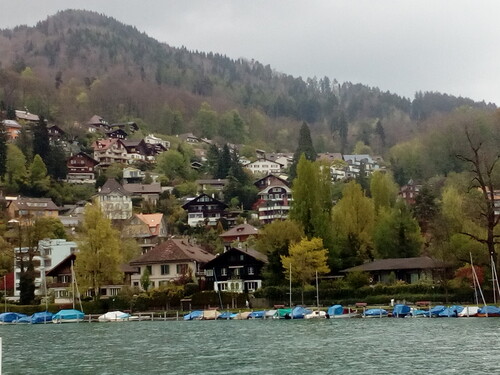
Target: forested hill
79	63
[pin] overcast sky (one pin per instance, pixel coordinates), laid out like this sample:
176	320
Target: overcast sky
398	45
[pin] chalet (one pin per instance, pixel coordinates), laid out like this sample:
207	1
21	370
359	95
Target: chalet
239	233
55	133
129	127
274	200
97	124
117	133
410	191
115	201
209	185
204	210
136	151
12	129
25	208
264	166
189	138
409	270
171	260
146	192
81	168
109	151
26	116
147	229
237	270
60	279
285	159
151	139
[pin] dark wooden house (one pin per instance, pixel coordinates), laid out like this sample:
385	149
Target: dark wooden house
205	210
237	270
81	168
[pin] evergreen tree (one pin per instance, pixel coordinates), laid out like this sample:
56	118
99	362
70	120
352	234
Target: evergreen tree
38	179
224	163
41	143
305	147
212	163
379	130
56	163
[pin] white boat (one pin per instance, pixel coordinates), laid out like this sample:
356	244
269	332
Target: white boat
469	311
317	314
117	316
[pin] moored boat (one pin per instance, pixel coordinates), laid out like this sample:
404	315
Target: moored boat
469	311
116	316
11	317
257	314
298	312
316	314
339	311
375	313
451	312
194	315
68	316
488	311
400	311
436	310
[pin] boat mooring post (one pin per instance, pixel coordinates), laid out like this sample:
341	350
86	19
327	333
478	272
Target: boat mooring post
0	356
177	315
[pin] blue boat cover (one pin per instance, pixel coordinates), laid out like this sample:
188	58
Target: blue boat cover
401	310
41	317
489	309
375	312
257	314
298	312
335	310
11	317
194	315
451	311
69	314
437	309
419	312
226	315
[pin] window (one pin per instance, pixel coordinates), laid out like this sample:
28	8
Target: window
250	270
242	257
251	285
223	271
222	286
209	273
165	269
236	272
136	283
150	269
182	269
48	263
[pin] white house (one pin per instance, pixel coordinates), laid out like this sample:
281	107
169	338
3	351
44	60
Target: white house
264	166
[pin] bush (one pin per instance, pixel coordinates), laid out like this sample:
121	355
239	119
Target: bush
357	279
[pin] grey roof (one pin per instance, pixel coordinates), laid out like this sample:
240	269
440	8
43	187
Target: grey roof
417	263
111	186
174	250
241	230
154	188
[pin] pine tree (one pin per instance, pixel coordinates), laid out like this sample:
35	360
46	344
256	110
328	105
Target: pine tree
305	147
3	150
41	144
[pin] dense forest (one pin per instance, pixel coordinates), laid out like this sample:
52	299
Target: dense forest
77	63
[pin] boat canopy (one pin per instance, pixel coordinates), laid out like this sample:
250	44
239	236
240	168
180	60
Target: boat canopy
335	310
489	310
226	315
114	316
437	309
280	313
451	312
70	314
193	315
375	312
11	317
401	310
257	314
298	312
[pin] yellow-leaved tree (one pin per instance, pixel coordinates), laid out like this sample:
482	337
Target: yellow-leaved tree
305	259
99	259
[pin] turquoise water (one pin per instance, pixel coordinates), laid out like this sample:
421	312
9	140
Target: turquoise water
340	346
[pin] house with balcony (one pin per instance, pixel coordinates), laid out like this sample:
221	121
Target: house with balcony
148	230
204	210
239	233
115	201
274	199
144	192
174	259
109	151
137	150
81	169
410	191
237	270
12	129
151	139
97	124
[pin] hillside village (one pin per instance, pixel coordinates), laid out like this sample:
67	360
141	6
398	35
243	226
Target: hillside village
190	172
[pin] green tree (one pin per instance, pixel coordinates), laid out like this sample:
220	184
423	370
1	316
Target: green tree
145	279
173	165
353	220
305	259
38	179
98	262
274	240
383	190
3	150
206	120
312	201
16	168
41	143
397	234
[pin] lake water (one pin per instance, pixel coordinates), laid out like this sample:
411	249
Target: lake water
336	346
